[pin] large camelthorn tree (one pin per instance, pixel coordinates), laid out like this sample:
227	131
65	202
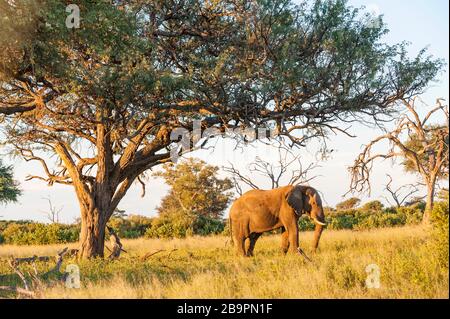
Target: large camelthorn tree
102	99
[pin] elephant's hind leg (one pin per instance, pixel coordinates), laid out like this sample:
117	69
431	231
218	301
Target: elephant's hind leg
240	245
239	239
253	238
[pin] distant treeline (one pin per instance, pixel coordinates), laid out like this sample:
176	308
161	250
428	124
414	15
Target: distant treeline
134	226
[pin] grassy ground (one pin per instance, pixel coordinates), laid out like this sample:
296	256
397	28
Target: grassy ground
207	268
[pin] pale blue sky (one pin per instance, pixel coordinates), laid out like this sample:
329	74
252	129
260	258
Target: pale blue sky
421	22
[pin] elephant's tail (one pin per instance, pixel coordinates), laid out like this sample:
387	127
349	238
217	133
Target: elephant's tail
231	230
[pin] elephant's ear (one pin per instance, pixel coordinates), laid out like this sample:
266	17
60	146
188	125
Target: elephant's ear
295	199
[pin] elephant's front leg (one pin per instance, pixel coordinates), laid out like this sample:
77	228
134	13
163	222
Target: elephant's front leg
293	239
291	228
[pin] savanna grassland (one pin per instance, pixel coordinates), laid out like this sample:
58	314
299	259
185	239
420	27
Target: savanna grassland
206	267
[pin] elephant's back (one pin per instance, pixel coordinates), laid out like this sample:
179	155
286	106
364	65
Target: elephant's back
257	201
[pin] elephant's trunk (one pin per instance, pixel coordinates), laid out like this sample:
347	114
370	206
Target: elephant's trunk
317	233
319	220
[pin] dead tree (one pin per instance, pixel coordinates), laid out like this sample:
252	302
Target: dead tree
400	195
424	151
287	170
53	212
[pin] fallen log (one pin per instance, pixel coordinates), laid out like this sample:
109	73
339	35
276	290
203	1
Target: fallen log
29	289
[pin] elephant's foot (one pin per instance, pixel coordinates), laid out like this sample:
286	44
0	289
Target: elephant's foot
302	253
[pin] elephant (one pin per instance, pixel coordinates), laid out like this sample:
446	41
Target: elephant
258	211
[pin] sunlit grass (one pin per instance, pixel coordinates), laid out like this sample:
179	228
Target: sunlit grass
206	267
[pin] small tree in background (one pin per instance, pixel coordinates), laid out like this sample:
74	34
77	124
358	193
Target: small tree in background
288	169
196	201
350	203
373	206
402	194
9	191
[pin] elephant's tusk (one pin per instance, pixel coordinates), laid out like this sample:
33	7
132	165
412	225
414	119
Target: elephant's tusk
319	222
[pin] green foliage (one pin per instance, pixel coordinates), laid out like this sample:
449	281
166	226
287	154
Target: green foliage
305	223
440	231
206	226
132	226
39	234
360	219
9	190
195	203
433	136
350	203
163	228
443	194
372	206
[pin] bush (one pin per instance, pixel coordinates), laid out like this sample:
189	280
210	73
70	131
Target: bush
166	229
205	226
305	223
342	221
133	226
39	234
440	231
372	206
381	220
368	218
182	227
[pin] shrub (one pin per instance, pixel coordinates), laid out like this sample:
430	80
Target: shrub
440	231
368	218
413	214
372	206
182	227
205	226
305	223
39	234
343	221
166	229
133	226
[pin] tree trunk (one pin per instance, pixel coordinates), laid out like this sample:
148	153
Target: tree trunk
92	236
93	227
430	201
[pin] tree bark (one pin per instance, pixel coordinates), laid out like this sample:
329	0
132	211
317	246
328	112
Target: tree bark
93	227
430	201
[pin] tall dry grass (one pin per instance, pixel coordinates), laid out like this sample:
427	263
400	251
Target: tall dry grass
204	267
